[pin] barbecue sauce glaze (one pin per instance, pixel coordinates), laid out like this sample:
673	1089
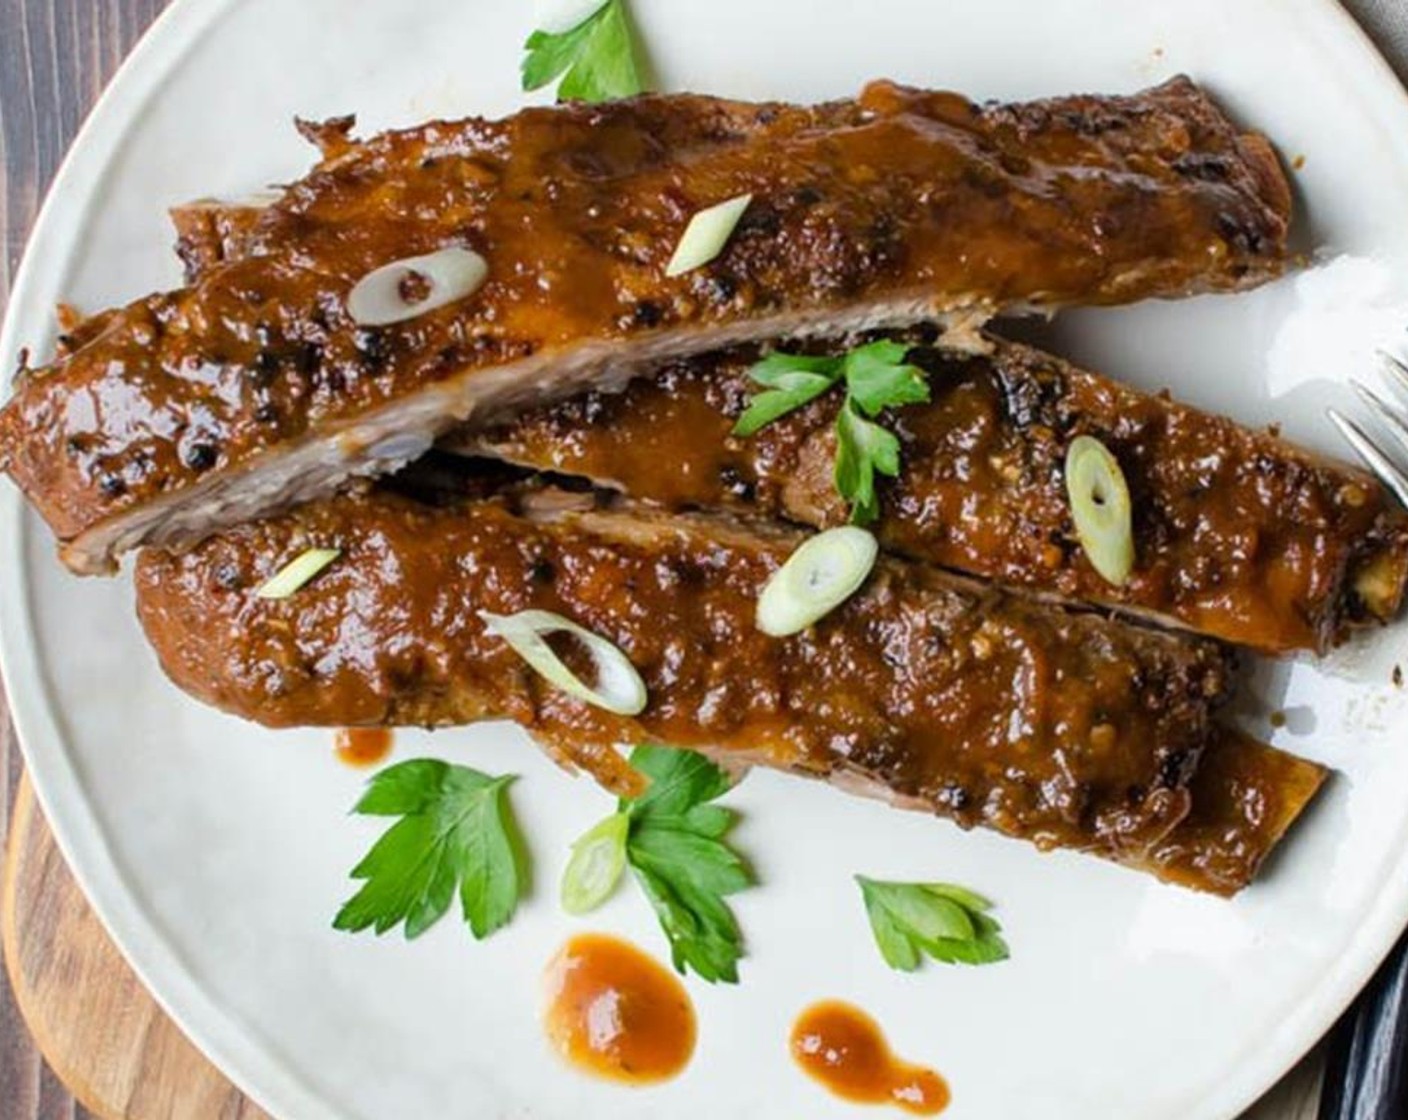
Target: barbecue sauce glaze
363	747
616	1013
899	197
843	1048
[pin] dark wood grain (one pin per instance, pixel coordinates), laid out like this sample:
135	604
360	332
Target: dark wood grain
55	58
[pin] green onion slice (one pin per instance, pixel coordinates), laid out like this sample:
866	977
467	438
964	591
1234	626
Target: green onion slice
598	859
817	578
293	576
1100	508
706	235
408	288
619	688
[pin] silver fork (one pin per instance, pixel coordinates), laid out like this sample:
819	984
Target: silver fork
1394	418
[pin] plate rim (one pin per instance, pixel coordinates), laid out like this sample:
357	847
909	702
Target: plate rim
213	1029
216	1030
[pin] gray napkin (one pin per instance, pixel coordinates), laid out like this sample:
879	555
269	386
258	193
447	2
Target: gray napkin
1386	21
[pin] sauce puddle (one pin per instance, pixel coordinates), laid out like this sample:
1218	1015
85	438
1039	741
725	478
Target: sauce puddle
363	746
617	1013
843	1048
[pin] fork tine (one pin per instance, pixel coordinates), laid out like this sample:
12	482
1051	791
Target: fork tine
1396	369
1391	417
1377	461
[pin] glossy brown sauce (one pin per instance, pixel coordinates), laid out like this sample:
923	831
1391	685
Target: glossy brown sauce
1001	715
863	204
363	746
1238	534
1245	796
617	1013
843	1048
409	650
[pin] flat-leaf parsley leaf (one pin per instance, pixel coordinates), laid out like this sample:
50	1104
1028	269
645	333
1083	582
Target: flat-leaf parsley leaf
789	381
876	376
596	59
673	840
456	833
939	920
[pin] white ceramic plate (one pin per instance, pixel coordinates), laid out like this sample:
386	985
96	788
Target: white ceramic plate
217	853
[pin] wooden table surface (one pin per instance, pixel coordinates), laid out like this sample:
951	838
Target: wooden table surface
55	56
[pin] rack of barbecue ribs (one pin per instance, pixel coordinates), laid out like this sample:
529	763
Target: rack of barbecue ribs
1065	729
1238	534
589	399
256	385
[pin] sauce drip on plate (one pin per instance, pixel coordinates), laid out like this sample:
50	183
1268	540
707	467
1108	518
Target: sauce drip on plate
616	1013
363	746
843	1048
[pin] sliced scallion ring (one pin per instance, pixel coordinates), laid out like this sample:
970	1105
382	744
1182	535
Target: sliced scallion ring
817	578
598	859
1100	508
619	688
292	577
706	235
407	288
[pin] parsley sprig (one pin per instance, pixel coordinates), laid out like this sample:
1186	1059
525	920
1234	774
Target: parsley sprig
876	377
672	838
596	59
938	920
456	833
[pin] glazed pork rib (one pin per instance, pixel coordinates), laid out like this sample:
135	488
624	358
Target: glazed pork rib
1056	727
927	691
1246	797
254	387
1239	534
